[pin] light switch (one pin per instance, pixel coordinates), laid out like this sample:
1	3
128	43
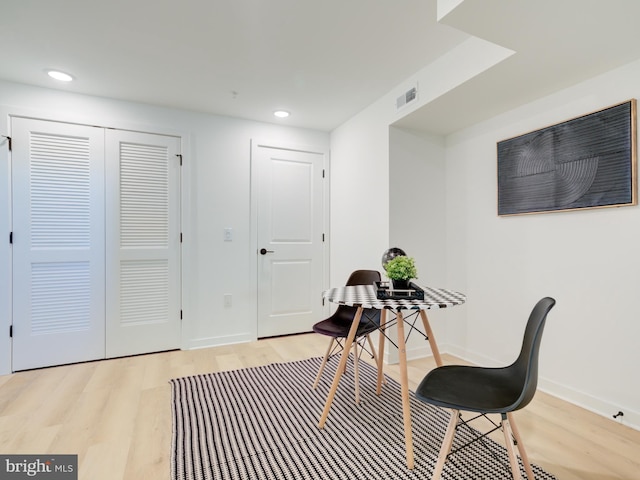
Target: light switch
228	234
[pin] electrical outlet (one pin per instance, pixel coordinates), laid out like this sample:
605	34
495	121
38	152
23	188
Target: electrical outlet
228	301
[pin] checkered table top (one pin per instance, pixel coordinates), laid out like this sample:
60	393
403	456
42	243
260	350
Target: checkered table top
365	296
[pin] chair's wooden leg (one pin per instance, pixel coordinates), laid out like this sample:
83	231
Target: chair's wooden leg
513	459
323	364
344	369
356	371
373	350
445	448
343	361
521	449
383	321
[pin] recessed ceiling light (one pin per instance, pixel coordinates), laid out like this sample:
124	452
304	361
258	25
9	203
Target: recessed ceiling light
58	75
281	113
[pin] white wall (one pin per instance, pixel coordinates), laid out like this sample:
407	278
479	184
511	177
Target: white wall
587	260
360	152
216	194
417	209
368	190
363	153
417	219
359	194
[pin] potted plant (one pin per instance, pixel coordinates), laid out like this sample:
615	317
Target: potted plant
400	271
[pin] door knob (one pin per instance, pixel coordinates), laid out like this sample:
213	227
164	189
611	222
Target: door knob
264	251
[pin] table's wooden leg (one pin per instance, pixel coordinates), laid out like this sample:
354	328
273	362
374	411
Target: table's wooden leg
404	383
432	339
341	366
375	359
383	321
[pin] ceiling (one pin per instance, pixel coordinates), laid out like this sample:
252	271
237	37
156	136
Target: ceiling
323	60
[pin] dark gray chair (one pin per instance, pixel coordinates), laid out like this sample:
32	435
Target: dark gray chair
337	327
490	390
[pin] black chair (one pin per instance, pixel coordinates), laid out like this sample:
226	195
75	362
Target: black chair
337	327
490	390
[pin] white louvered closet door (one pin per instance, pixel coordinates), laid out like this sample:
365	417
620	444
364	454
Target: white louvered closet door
58	243
143	243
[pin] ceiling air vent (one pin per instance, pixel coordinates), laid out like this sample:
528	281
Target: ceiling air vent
407	97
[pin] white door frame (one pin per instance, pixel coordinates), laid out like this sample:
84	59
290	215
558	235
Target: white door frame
253	249
6	249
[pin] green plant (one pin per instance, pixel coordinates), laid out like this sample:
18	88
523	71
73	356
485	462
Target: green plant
401	268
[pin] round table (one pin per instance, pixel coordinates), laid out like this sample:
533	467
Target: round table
366	296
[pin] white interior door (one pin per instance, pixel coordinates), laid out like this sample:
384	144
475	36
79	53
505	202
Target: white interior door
143	243
290	251
58	243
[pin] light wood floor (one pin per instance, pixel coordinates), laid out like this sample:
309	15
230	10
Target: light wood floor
115	414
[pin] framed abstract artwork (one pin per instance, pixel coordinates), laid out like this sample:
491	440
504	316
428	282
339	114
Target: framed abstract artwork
585	162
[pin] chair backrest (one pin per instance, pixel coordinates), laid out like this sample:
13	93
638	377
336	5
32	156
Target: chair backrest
363	277
360	277
524	371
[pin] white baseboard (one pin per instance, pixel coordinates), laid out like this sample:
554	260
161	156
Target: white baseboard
413	353
631	417
217	341
472	358
605	408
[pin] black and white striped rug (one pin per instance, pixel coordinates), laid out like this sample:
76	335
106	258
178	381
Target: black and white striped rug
261	423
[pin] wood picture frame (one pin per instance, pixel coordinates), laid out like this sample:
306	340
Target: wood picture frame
586	162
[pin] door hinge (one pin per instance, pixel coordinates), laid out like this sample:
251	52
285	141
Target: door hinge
10	331
8	140
323	301
179	155
180	237
180	314
11	238
323	173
